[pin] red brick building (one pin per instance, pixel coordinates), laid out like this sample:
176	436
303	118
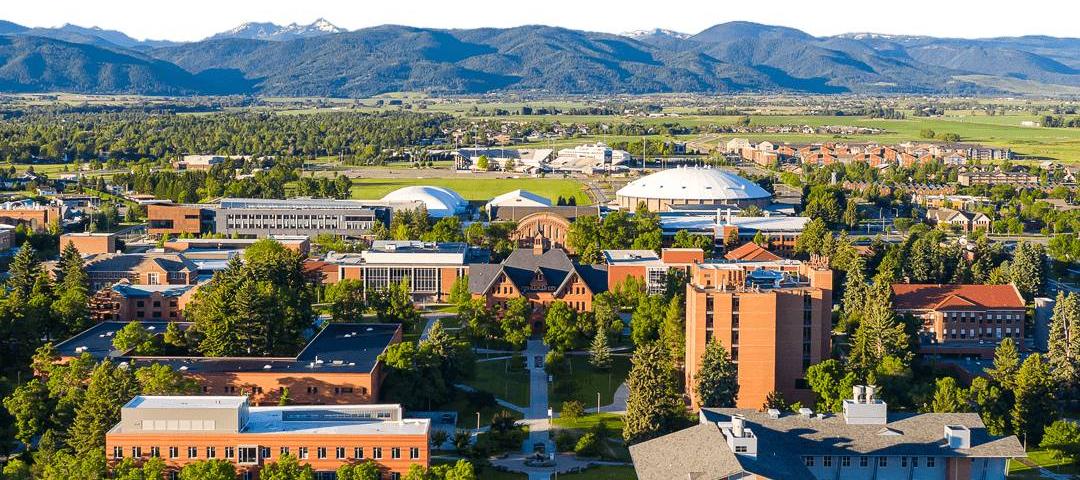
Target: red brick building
962	320
649	267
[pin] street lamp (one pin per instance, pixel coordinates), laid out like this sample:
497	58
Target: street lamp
478	423
597	403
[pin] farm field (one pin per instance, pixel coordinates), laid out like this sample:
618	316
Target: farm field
474	189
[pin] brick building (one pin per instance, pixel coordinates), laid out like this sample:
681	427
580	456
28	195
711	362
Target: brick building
90	243
649	267
339	365
182	430
773	317
37	217
175	219
962	320
125	302
542	275
140	269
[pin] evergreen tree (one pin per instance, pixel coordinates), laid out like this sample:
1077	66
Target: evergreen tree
948	397
855	291
647	319
1034	407
716	383
28	406
1028	269
654	407
673	330
992	403
110	387
879	333
1006	364
24	270
1063	349
599	351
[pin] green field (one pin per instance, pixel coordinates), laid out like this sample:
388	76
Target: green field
1018	470
506	379
604	472
584	381
474	189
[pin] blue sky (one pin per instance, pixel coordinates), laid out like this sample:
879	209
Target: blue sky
196	19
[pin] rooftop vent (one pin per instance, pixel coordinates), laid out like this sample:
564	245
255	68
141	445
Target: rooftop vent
863	408
267	367
773	413
183	368
81	349
806	412
958	436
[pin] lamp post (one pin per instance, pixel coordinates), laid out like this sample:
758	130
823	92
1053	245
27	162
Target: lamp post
477	423
597	403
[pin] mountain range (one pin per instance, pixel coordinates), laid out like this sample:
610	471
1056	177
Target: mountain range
321	59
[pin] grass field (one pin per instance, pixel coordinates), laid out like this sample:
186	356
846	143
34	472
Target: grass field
474	189
603	472
584	382
1044	459
506	379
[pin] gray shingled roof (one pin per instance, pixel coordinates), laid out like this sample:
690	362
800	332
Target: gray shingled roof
124	262
522	264
782	442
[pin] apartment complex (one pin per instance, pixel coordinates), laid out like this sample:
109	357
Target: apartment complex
542	275
182	430
773	317
649	267
338	365
962	320
431	268
865	442
1016	179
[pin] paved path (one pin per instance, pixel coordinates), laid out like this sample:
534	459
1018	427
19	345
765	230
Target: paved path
619	404
537	413
431	317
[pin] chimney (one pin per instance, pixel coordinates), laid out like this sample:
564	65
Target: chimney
858	391
864	409
870	391
958	436
738	424
773	413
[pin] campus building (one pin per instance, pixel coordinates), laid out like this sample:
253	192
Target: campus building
177	219
773	317
126	302
339	365
90	243
551	222
865	442
649	267
140	269
259	217
181	430
37	217
431	268
725	228
690	186
542	275
962	320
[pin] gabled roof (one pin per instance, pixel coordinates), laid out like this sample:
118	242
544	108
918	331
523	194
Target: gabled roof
522	265
912	296
125	262
751	252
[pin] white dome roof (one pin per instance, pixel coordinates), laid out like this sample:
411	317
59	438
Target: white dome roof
440	202
693	183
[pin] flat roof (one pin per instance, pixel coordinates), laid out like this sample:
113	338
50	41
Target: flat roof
266	420
295	203
337	348
128	290
632	257
186	401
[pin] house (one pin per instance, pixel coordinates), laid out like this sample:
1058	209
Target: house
962	320
866	441
958	220
542	275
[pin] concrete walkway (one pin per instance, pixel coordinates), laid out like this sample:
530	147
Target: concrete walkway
618	405
537	413
431	317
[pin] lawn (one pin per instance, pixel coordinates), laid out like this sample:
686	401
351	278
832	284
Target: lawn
613	447
506	379
1045	460
583	382
604	472
489	473
466	411
474	189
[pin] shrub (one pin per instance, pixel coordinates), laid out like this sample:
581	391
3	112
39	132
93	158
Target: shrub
572	410
588	445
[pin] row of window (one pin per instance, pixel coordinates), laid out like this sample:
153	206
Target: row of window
232	389
980	316
251	455
864	461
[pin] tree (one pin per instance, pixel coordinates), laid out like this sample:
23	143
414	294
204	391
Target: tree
71	305
460	470
879	333
647	319
832	384
515	321
1063	344
654	406
213	469
414	376
447	229
717	382
561	332
24	270
775	400
1062	438
16	469
365	470
395	305
459	291
1034	405
812	237
28	406
647	232
606	314
673	330
287	467
991	403
948	397
110	387
572	410
161	379
152	468
134	336
1027	270
1006	364
599	351
346	298
584	239
438	438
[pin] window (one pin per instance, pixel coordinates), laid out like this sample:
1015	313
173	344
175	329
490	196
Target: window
248	455
808	461
914	462
414	453
395	476
376	453
339	452
117	452
230	452
826	461
740	448
903	462
883	461
192	452
395	453
320	452
283	451
864	461
358	453
136	452
302	452
174	452
930	462
211	452
845	461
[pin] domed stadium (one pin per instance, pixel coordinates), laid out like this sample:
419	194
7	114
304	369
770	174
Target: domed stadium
441	202
691	186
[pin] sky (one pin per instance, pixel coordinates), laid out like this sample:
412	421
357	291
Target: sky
187	20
